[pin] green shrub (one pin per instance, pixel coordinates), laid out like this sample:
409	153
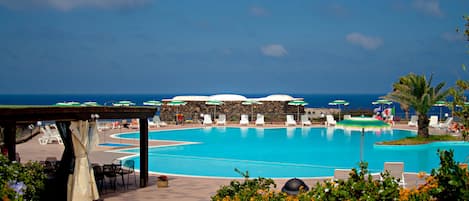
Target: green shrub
20	182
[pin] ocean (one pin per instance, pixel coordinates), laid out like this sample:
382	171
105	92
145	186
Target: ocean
357	101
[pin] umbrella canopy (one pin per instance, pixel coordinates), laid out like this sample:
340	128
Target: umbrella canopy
441	104
382	102
123	103
338	103
251	103
362	124
214	103
298	103
176	103
152	103
90	103
71	103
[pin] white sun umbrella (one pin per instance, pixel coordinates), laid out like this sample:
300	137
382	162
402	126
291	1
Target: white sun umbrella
152	103
70	103
362	124
298	103
251	103
338	103
440	104
214	103
90	103
123	103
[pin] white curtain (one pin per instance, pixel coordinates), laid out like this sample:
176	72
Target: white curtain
81	184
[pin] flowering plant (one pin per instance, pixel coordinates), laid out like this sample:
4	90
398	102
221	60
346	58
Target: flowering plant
162	178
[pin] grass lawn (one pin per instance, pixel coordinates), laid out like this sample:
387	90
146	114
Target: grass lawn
421	140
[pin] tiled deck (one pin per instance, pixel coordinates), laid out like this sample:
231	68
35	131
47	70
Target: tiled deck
180	188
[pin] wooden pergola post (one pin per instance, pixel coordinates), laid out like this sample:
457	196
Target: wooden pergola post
10	139
143	152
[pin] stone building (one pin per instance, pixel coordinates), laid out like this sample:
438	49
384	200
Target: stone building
274	107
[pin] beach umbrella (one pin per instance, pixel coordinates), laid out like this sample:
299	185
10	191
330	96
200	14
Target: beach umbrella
298	103
71	103
90	103
441	104
362	124
382	102
152	103
251	103
123	103
214	103
338	103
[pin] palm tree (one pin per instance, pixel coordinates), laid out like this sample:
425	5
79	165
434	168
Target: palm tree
415	91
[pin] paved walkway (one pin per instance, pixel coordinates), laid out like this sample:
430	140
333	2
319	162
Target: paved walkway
180	188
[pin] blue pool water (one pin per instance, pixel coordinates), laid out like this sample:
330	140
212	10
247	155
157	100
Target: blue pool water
285	152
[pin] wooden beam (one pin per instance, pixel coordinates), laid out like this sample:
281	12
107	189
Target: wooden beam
143	152
10	140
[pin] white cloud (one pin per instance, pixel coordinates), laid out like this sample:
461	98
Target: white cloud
367	42
452	36
258	11
431	7
274	50
65	5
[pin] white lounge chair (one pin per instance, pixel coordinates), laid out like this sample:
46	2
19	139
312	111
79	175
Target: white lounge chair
341	174
347	116
49	136
151	124
207	120
396	170
102	126
158	121
330	120
221	119
244	120
433	121
446	124
134	124
305	121
260	120
290	121
413	120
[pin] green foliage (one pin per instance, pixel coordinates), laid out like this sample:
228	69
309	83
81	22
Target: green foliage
418	93
458	106
249	188
453	181
15	175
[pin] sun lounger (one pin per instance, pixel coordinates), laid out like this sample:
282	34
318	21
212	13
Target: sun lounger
305	121
49	136
413	120
207	120
290	121
446	124
134	124
330	120
221	119
433	121
396	170
244	120
260	120
347	116
158	121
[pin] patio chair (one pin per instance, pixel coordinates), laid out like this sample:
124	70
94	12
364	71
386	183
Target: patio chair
446	124
347	116
207	120
305	121
330	120
413	120
158	121
99	177
221	119
127	169
433	121
134	124
290	121
244	120
260	120
396	170
110	171
49	136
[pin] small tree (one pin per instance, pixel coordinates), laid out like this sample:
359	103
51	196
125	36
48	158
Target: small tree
417	92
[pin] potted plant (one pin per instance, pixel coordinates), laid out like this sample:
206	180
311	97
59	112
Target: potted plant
162	181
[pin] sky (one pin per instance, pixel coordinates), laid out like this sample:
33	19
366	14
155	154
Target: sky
215	46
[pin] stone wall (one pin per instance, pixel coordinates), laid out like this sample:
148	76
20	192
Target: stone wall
274	111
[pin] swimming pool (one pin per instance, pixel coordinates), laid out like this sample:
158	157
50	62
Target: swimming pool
284	152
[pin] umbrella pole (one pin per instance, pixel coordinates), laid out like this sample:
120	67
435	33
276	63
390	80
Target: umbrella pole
361	144
298	114
339	111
